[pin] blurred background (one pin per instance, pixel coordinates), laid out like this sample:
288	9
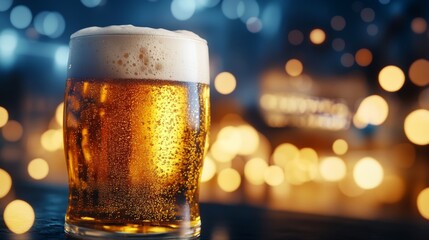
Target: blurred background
317	106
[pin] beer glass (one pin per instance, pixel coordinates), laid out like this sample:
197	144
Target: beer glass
135	127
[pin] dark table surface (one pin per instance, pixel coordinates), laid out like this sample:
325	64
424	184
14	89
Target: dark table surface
224	222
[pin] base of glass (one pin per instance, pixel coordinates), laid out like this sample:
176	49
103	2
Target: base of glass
147	232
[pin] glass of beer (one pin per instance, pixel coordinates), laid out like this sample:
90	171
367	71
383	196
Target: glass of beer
135	132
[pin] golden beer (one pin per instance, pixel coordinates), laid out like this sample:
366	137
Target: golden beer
134	150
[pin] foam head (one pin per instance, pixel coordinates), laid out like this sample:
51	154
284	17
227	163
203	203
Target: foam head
129	52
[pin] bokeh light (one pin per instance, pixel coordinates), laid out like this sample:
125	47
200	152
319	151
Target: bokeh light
248	9
317	36
391	78
372	29
51	24
38	168
6	183
332	169
340	146
4	116
221	152
419	25
209	170
271	18
338	44
229	180
249	139
363	57
254	171
91	3
372	110
52	139
295	37
208	3
229	8
225	83
367	15
368	173
183	9
416	127
59	114
254	25
347	60
18	216
20	16
12	131
229	139
303	168
422	203
274	175
61	56
358	123
285	152
8	45
419	72
5	5
294	67
338	23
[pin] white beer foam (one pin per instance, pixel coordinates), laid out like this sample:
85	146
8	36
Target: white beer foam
129	52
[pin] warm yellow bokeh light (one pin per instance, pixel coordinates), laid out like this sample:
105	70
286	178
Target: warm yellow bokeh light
59	114
12	131
254	170
229	139
285	152
274	175
18	216
423	203
416	127
220	155
229	180
317	36
294	67
209	170
358	123
373	110
419	72
4	116
308	156
391	78
52	139
332	169
225	83
38	168
5	183
368	173
249	139
340	146
363	57
302	168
